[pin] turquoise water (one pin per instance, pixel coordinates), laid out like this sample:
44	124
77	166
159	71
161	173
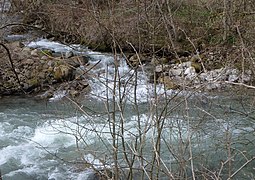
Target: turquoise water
39	139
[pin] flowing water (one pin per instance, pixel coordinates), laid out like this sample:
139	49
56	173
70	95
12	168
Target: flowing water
60	139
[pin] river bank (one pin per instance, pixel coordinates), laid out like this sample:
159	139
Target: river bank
44	67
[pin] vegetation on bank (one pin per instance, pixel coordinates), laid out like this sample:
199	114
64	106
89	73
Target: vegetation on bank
169	28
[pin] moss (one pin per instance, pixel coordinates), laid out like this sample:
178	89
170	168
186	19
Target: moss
33	82
46	52
197	66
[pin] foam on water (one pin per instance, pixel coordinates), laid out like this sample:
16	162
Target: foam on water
58	95
102	76
54	46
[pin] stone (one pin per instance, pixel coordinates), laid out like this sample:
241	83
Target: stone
135	60
28	61
69	54
233	75
245	78
73	93
168	82
233	78
79	72
185	64
175	72
163	60
197	66
63	72
190	71
44	57
85	60
35	53
73	61
46	95
26	50
159	69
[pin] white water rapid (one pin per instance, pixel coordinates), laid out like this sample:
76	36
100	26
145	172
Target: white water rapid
58	140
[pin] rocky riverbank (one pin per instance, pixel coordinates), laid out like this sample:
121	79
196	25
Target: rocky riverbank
203	72
40	72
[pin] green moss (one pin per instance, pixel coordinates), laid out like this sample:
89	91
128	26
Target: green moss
197	66
46	52
34	82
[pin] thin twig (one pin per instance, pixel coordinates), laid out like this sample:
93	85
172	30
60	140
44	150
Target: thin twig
239	169
241	84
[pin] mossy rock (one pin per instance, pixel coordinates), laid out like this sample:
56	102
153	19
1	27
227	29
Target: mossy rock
63	72
33	82
197	66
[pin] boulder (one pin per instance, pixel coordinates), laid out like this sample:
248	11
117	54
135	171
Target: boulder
168	82
197	66
63	72
190	71
234	75
35	53
135	60
159	68
175	72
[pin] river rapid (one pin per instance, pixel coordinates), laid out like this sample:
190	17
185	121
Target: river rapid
64	139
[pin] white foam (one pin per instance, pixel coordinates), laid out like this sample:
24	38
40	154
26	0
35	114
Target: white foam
58	95
46	44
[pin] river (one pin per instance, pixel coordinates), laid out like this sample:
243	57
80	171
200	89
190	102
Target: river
63	139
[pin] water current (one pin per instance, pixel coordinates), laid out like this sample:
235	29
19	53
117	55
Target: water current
61	139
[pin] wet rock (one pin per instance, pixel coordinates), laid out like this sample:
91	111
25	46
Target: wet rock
79	72
46	95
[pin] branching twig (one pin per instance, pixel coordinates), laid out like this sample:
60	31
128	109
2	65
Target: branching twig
12	65
239	169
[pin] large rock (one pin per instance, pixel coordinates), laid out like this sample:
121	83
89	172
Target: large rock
190	71
63	72
168	82
175	72
135	60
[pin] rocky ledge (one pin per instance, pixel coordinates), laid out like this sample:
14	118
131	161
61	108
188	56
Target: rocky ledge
39	72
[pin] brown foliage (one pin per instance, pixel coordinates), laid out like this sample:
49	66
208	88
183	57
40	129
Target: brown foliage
148	25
